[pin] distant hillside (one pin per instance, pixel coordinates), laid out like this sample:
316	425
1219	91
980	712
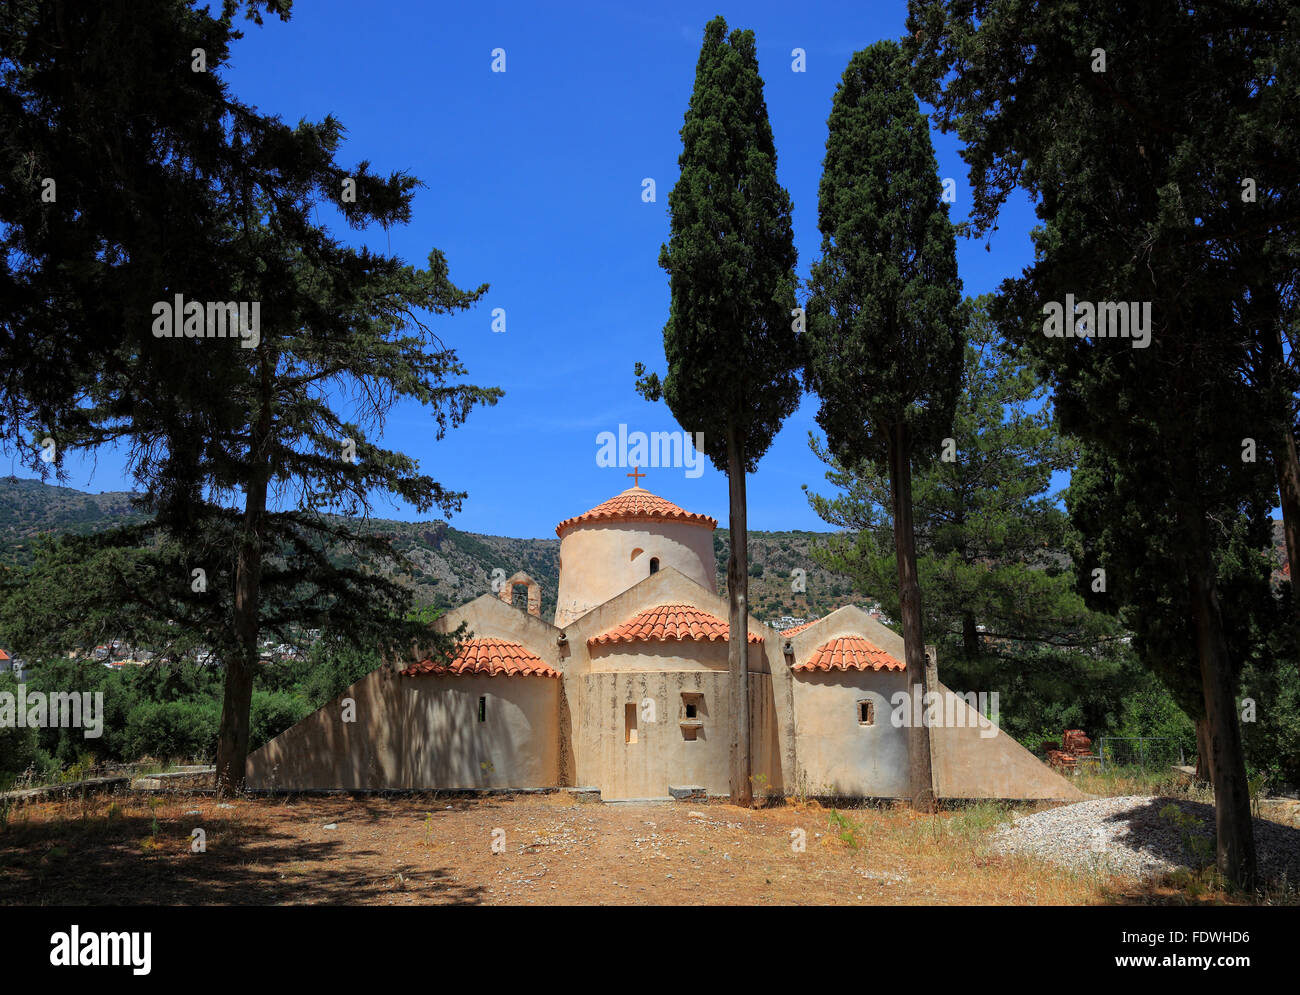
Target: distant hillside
448	566
29	508
774	558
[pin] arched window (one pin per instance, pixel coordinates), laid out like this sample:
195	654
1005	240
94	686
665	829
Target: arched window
654	564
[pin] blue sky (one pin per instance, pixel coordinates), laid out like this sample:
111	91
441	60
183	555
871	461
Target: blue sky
533	185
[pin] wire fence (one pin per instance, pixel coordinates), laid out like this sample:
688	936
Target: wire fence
1139	751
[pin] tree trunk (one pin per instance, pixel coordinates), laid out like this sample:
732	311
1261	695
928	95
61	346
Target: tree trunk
970	637
1203	750
241	665
742	788
1287	465
909	595
1236	841
232	738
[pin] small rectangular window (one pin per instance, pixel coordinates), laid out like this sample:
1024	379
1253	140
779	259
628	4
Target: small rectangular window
866	713
482	709
629	722
692	715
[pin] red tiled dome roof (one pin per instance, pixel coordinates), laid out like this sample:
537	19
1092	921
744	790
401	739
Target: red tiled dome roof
492	657
849	653
636	504
669	622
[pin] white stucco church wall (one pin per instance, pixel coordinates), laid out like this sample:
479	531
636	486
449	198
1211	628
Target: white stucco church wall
628	691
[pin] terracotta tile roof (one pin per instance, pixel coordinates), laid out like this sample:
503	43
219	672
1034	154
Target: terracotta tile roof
492	657
636	504
799	628
669	622
849	653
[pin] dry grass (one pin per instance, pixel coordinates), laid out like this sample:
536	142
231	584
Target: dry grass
135	848
1123	781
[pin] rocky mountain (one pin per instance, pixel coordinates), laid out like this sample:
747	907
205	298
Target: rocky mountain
30	508
448	566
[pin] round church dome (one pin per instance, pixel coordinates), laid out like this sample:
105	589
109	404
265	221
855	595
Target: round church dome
620	542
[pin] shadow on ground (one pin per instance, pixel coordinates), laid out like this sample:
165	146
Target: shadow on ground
1146	830
98	859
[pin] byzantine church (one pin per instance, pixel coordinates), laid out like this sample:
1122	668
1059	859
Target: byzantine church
627	692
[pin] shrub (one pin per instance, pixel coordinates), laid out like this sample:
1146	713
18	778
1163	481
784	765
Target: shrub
273	712
174	730
18	747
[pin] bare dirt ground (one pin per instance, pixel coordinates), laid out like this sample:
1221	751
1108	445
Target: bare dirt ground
134	848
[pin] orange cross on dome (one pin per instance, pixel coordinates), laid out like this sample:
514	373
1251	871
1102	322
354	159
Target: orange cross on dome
636	477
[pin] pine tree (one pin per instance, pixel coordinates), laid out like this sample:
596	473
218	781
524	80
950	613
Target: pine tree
116	156
991	540
236	442
1137	128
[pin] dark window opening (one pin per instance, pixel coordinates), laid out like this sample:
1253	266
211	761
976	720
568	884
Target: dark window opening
692	715
482	709
629	722
866	713
654	564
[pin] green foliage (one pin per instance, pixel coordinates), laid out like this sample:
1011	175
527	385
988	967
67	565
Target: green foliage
1140	184
214	432
845	829
170	711
730	343
1198	850
1044	690
990	537
139	147
174	730
1150	711
333	667
17	746
1139	205
271	713
1121	528
884	296
1272	732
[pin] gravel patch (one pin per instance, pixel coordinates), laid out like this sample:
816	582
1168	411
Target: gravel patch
1127	836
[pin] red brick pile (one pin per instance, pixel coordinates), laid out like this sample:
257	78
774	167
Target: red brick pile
1065	755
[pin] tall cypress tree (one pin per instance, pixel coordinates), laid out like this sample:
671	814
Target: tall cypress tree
730	340
885	314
